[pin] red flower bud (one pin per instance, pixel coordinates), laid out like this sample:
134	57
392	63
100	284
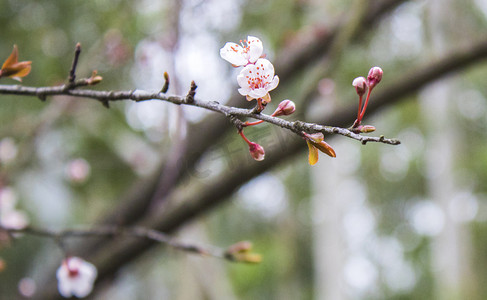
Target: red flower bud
360	85
286	107
256	151
374	77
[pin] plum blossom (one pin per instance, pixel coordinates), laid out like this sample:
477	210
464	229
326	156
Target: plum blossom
256	80
75	277
241	55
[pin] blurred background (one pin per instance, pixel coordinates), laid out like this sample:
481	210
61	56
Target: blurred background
377	222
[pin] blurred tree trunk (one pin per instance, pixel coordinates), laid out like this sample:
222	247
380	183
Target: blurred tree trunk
329	246
450	249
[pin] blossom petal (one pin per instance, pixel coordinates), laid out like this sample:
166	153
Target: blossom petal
242	78
273	84
244	91
258	93
233	53
255	48
266	66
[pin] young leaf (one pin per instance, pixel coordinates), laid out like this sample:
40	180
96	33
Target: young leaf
325	148
313	153
13	68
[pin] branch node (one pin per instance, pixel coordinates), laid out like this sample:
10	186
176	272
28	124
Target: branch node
191	93
298	125
237	122
105	103
41	97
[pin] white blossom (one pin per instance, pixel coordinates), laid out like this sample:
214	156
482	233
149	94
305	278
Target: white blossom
256	80
75	277
248	52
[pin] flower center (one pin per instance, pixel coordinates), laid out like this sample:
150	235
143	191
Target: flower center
73	271
258	80
245	46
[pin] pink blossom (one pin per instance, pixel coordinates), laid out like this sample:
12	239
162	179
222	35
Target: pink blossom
75	277
240	55
256	80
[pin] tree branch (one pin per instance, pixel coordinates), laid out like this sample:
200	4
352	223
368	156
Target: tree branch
141	95
203	135
135	231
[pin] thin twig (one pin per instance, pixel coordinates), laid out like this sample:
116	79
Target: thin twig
165	87
191	93
72	72
115	231
140	95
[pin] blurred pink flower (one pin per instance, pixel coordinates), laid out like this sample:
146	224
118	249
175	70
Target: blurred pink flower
75	277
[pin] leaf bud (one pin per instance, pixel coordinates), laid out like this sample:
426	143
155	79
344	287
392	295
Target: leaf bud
367	128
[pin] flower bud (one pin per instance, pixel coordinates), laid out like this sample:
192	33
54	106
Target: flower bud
286	107
374	77
360	85
256	151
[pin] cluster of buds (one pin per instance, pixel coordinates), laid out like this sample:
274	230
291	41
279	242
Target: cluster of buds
363	86
256	79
